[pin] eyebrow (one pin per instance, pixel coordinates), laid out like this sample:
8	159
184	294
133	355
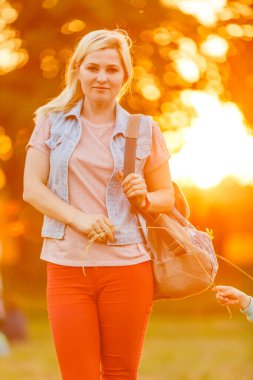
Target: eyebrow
95	64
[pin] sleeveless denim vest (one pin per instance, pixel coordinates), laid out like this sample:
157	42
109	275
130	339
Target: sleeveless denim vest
65	133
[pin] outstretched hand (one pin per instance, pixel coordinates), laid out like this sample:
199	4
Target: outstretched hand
228	295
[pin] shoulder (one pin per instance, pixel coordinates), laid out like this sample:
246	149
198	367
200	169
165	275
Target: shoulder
58	121
56	115
157	134
146	128
42	122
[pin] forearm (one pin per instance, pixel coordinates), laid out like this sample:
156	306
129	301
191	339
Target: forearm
44	200
161	200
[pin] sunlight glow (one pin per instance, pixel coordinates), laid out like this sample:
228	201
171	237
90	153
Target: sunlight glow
205	11
217	143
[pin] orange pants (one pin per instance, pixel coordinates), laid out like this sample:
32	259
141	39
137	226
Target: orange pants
99	321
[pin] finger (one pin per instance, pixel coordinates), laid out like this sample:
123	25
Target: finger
120	175
223	290
109	233
96	237
233	302
99	234
130	177
136	186
105	231
227	293
135	193
108	228
139	187
219	297
133	182
223	287
223	301
229	302
108	223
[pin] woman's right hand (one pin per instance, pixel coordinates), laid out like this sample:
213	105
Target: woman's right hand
92	225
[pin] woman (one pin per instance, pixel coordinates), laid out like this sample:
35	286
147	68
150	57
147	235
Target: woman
73	175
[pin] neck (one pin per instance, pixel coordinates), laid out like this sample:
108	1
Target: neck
99	112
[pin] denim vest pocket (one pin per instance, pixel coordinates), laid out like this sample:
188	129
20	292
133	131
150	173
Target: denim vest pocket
142	153
54	140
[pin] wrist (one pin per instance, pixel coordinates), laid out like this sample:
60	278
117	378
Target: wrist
244	301
146	202
71	221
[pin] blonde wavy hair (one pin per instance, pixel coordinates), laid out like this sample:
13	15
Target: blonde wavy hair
72	92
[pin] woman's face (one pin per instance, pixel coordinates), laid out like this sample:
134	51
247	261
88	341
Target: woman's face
101	75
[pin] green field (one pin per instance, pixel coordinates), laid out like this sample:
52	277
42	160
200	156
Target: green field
178	348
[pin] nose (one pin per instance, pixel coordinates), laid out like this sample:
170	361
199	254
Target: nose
101	76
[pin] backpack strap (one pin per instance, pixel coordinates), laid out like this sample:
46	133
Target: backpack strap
129	167
131	142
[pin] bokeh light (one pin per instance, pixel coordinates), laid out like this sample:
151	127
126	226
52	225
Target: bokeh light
150	91
73	26
2	178
187	69
161	36
6	149
215	46
12	56
48	4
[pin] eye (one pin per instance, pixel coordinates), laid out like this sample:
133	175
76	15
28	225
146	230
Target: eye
112	70
92	68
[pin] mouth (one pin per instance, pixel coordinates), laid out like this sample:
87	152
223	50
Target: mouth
101	88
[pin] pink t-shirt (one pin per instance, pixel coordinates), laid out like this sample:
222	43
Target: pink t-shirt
90	168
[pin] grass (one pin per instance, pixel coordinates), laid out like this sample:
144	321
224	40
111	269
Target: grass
177	348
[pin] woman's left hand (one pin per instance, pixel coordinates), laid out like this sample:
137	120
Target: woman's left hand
135	188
